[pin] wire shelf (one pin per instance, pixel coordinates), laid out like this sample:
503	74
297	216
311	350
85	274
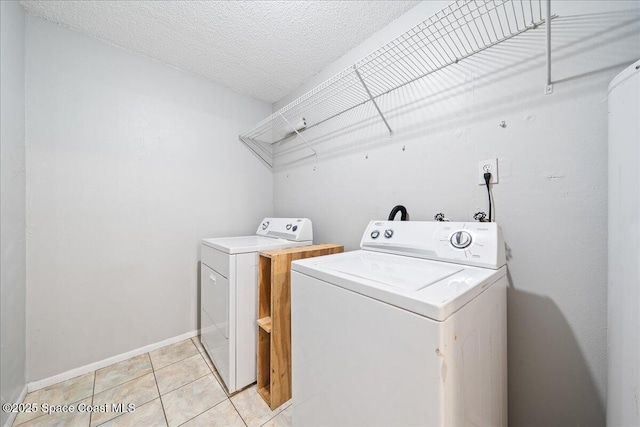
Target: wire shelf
463	28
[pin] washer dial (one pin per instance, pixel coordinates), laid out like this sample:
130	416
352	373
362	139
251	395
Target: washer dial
460	239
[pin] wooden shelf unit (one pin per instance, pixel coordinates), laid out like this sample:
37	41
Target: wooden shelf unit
274	319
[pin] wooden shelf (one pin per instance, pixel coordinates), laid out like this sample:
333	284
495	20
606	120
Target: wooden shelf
274	319
265	323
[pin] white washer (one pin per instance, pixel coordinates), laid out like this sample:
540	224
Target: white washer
228	297
410	330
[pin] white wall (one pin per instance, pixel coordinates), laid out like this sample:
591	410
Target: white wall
129	163
623	296
551	200
12	204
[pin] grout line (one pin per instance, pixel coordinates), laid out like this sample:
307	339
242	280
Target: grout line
243	389
208	367
51	387
206	410
238	412
198	344
173	363
126	382
137	405
44	414
195	379
218	377
125	413
275	415
159	395
93	394
214	373
185	384
119	414
24	422
153	370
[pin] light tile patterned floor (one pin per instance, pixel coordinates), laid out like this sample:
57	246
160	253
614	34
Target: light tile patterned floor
176	385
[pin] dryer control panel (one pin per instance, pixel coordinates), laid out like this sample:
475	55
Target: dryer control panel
470	243
296	229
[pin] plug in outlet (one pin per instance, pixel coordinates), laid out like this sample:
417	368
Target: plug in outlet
490	165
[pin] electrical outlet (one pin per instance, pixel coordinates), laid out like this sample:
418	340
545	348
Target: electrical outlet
489	165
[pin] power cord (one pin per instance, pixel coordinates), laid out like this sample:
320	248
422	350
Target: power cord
481	216
487	179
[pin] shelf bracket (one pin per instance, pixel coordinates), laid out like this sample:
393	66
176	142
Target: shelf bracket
549	87
260	156
372	99
299	134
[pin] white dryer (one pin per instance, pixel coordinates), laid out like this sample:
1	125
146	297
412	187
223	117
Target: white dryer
228	297
410	330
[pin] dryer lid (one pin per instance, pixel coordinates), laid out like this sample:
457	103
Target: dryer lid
244	244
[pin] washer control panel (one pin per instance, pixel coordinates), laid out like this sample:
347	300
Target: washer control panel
298	229
470	243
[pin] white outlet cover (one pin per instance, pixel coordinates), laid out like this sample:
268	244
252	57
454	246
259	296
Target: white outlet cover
492	166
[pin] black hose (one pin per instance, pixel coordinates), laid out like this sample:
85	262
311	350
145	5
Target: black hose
394	212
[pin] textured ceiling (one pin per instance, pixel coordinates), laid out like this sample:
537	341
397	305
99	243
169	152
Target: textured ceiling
265	49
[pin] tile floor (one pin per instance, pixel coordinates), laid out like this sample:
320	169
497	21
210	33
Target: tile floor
176	385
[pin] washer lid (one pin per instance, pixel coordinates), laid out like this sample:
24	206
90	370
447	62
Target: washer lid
244	244
403	273
432	289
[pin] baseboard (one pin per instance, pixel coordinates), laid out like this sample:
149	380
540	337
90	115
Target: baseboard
13	415
37	385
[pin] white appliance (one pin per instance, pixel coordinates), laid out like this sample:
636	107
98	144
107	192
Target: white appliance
228	297
410	330
623	395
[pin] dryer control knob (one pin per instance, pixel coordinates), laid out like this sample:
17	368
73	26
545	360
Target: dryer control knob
265	225
288	226
388	233
460	239
375	234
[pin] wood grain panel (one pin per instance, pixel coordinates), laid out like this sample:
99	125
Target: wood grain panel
279	300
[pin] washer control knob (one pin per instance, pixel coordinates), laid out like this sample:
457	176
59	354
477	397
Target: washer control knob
388	233
265	225
375	234
288	226
294	228
460	239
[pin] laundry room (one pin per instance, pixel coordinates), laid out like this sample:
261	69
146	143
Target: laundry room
299	213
